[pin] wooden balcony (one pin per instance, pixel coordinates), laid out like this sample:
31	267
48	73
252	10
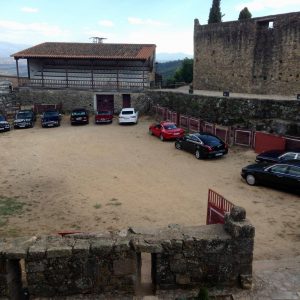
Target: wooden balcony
84	84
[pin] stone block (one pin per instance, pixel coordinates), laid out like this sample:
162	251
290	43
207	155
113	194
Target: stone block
243	229
246	281
147	247
38	249
81	248
238	213
122	245
178	266
183	279
59	251
35	266
124	267
102	247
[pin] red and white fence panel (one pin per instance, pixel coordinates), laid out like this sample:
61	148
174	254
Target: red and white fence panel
217	206
168	115
194	125
174	117
184	122
208	127
243	137
292	143
223	133
161	112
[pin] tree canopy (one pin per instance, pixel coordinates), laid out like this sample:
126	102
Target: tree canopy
215	15
185	72
245	14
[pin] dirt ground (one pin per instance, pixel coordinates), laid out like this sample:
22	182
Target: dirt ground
95	178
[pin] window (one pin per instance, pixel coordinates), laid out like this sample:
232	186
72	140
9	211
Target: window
279	169
294	171
287	156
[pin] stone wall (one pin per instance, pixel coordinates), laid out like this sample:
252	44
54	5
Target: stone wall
282	117
259	55
182	257
71	99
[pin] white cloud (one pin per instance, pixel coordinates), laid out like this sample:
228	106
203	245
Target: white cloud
29	9
106	23
258	5
30	32
138	21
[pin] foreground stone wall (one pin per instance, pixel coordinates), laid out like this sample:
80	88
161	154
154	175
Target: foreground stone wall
259	55
282	117
182	257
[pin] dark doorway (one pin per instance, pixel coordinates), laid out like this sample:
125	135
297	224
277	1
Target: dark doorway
126	101
105	102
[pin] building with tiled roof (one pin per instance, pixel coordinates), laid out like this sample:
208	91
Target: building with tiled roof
98	67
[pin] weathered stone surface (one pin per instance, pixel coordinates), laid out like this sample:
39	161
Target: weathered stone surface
147	246
124	266
263	62
38	249
183	279
238	213
246	281
58	247
102	246
81	247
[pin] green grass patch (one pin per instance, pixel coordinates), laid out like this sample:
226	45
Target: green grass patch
10	206
97	206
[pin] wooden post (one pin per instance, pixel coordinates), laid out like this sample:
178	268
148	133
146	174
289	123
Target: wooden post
17	65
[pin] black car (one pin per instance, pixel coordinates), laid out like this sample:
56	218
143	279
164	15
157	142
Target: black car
277	156
4	125
24	119
283	175
203	145
79	116
50	118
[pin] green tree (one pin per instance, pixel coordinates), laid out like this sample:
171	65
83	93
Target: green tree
245	14
185	72
215	15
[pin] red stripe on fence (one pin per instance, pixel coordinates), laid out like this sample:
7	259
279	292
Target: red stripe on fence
217	206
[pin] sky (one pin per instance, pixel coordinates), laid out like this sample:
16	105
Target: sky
166	23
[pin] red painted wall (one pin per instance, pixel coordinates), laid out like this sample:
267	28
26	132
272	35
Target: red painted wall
265	142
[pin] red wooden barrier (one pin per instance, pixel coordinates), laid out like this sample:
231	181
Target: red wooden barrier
217	206
266	141
194	125
223	133
184	122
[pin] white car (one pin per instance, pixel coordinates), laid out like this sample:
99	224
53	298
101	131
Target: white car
128	115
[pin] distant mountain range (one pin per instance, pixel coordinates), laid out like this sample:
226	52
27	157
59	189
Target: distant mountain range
165	57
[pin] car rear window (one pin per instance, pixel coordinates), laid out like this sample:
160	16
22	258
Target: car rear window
128	112
104	112
170	126
210	140
51	114
78	113
24	115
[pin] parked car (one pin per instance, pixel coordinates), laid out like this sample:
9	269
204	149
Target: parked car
203	145
79	116
166	131
50	118
128	115
103	116
283	175
277	156
24	119
4	125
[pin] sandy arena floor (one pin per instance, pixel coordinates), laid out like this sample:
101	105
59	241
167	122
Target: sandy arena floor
94	178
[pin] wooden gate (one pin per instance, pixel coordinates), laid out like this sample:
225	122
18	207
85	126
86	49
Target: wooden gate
217	206
105	102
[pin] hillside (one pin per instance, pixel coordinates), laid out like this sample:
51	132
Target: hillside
168	69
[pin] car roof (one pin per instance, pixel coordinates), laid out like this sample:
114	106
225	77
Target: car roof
167	123
127	109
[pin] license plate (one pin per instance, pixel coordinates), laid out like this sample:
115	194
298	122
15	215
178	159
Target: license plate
176	133
218	154
22	126
50	125
78	119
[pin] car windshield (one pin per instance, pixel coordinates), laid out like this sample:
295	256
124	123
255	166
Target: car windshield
78	113
170	126
2	118
128	112
106	112
210	140
50	114
24	115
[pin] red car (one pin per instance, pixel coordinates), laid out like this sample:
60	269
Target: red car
104	116
166	131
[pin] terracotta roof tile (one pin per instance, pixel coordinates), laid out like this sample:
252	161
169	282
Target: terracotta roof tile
88	51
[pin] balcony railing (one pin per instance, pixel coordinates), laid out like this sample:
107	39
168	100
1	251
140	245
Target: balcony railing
82	84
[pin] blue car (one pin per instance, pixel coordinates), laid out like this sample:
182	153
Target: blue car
51	118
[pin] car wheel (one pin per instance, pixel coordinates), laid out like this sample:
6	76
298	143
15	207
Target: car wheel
250	179
198	154
177	145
